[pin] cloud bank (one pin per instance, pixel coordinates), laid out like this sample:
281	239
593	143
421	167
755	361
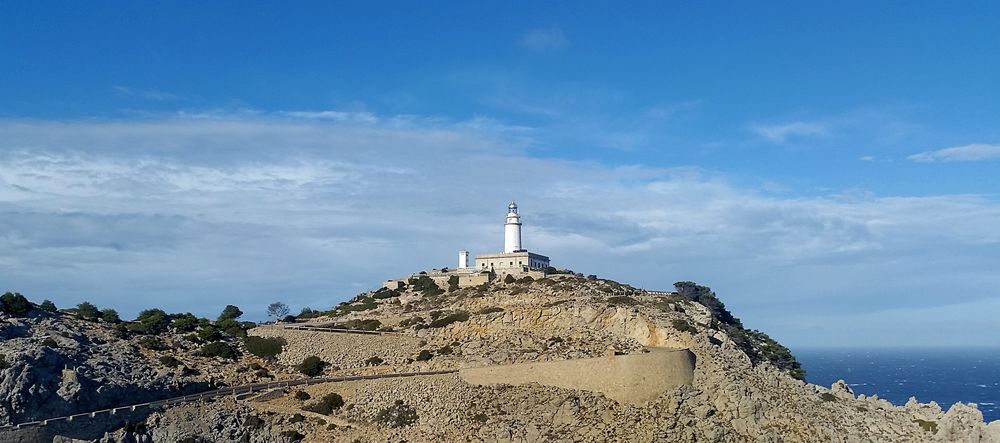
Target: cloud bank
196	212
965	153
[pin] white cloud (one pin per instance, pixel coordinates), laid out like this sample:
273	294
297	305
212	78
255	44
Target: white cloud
544	40
195	213
965	153
781	133
343	116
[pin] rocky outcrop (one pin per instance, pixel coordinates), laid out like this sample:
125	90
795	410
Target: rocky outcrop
61	366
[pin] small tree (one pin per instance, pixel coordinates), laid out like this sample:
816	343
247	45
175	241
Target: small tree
230	312
110	316
277	310
312	366
87	311
47	306
14	304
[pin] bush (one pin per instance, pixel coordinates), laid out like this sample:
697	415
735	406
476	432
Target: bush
449	319
209	333
623	300
50	343
110	316
47	306
302	395
363	325
153	343
185	322
312	366
14	304
425	285
445	350
826	396
927	426
326	405
384	293
424	355
412	321
266	348
218	349
509	279
169	361
235	331
230	312
3	362
151	321
374	361
87	311
453	283
682	325
397	415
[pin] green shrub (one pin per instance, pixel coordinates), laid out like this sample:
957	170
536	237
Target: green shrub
826	396
14	304
424	355
3	362
230	312
87	311
425	285
397	415
266	348
151	321
110	316
226	323
327	404
374	361
50	343
312	366
362	325
235	331
302	395
185	322
453	283
384	293
526	279
509	279
445	350
150	342
412	321
169	361
449	319
623	300
47	306
683	326
218	349
209	333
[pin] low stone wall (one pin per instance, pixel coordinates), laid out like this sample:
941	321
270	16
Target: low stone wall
634	379
339	349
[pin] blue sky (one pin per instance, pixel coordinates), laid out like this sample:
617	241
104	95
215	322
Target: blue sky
831	170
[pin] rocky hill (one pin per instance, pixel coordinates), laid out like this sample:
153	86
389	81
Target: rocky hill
536	360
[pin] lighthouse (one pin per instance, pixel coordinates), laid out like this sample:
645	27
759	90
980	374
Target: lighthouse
512	230
514	259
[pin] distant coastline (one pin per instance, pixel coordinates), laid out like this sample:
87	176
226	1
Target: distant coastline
943	375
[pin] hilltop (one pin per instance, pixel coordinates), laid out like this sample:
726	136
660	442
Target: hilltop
564	357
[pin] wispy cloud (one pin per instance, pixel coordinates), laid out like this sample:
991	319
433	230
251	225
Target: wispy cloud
965	153
343	116
544	40
146	94
782	132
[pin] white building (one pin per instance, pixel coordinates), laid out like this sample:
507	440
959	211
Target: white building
514	258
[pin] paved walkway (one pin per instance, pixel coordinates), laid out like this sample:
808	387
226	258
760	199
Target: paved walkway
235	391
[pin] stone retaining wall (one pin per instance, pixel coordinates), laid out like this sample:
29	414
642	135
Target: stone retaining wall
345	351
635	378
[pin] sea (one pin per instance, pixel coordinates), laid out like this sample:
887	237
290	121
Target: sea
945	376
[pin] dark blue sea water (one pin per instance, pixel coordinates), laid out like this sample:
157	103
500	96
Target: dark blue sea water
944	376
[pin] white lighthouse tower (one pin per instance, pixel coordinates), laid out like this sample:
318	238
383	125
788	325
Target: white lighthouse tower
512	230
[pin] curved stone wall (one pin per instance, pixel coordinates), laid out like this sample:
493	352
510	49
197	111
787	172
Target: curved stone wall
635	378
